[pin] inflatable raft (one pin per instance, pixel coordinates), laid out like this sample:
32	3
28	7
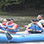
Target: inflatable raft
21	38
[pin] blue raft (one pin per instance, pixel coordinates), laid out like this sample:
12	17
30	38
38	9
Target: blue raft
21	38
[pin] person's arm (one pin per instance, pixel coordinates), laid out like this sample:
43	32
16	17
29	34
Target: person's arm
14	27
39	24
2	31
27	29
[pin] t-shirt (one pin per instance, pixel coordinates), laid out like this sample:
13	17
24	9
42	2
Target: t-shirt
41	22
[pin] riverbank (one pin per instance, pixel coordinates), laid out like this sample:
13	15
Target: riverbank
25	12
21	20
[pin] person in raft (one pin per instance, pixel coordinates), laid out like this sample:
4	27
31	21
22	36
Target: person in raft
34	27
40	19
10	26
4	22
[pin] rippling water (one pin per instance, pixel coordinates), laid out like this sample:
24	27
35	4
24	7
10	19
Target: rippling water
31	43
26	43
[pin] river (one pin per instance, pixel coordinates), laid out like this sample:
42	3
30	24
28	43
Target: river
26	43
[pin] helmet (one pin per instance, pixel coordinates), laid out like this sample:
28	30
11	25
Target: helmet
5	20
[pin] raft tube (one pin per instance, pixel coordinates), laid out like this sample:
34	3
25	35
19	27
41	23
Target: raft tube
27	38
21	38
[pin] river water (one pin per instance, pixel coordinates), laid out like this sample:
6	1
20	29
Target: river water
31	43
26	43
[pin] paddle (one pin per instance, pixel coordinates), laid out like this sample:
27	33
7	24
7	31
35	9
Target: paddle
9	37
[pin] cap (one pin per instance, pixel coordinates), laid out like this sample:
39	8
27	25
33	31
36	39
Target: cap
9	19
34	20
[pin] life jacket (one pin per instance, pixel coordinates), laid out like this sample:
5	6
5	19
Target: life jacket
33	27
12	31
4	24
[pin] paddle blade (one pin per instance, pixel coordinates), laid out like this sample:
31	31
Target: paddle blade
9	37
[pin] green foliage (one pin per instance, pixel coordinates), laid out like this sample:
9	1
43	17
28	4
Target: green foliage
34	3
5	3
8	2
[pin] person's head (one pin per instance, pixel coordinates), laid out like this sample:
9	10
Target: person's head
39	16
34	21
10	20
5	20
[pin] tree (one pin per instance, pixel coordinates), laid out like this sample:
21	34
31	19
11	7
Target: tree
4	4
